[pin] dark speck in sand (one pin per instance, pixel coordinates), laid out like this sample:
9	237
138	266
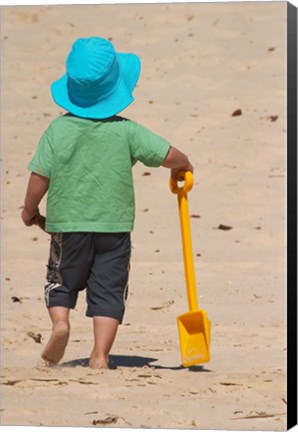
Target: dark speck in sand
237	112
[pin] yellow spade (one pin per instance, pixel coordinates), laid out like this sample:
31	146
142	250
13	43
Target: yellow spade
193	326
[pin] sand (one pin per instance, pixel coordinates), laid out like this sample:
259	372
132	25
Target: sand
200	64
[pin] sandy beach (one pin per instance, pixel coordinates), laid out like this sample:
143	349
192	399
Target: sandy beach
213	83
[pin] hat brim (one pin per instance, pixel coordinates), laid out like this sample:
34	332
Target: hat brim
119	99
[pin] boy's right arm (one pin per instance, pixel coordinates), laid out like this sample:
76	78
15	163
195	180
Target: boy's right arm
36	189
177	161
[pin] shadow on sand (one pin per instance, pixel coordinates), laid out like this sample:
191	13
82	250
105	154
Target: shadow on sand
133	362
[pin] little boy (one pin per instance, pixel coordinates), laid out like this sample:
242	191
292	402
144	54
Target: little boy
84	162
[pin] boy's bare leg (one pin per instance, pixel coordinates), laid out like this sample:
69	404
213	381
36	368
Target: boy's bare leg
105	329
56	345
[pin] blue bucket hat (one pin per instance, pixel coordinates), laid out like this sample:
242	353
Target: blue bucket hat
99	81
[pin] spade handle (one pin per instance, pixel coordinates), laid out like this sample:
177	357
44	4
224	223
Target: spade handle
186	236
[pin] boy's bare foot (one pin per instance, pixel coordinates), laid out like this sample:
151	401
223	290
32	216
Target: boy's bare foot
98	362
56	345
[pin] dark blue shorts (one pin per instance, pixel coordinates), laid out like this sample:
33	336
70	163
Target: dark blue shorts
98	262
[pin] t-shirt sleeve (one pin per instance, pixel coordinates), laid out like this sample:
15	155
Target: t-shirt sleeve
41	162
147	147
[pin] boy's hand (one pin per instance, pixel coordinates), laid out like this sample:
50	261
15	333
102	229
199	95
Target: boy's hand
37	219
177	161
175	172
28	218
40	221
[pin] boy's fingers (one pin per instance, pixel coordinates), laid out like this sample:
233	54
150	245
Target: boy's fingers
175	173
40	221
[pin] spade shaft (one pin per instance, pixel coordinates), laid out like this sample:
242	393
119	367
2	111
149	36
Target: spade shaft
186	237
187	251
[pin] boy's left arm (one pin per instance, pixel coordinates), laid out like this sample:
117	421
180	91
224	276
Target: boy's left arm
37	188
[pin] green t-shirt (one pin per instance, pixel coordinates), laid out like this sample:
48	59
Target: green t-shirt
89	163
